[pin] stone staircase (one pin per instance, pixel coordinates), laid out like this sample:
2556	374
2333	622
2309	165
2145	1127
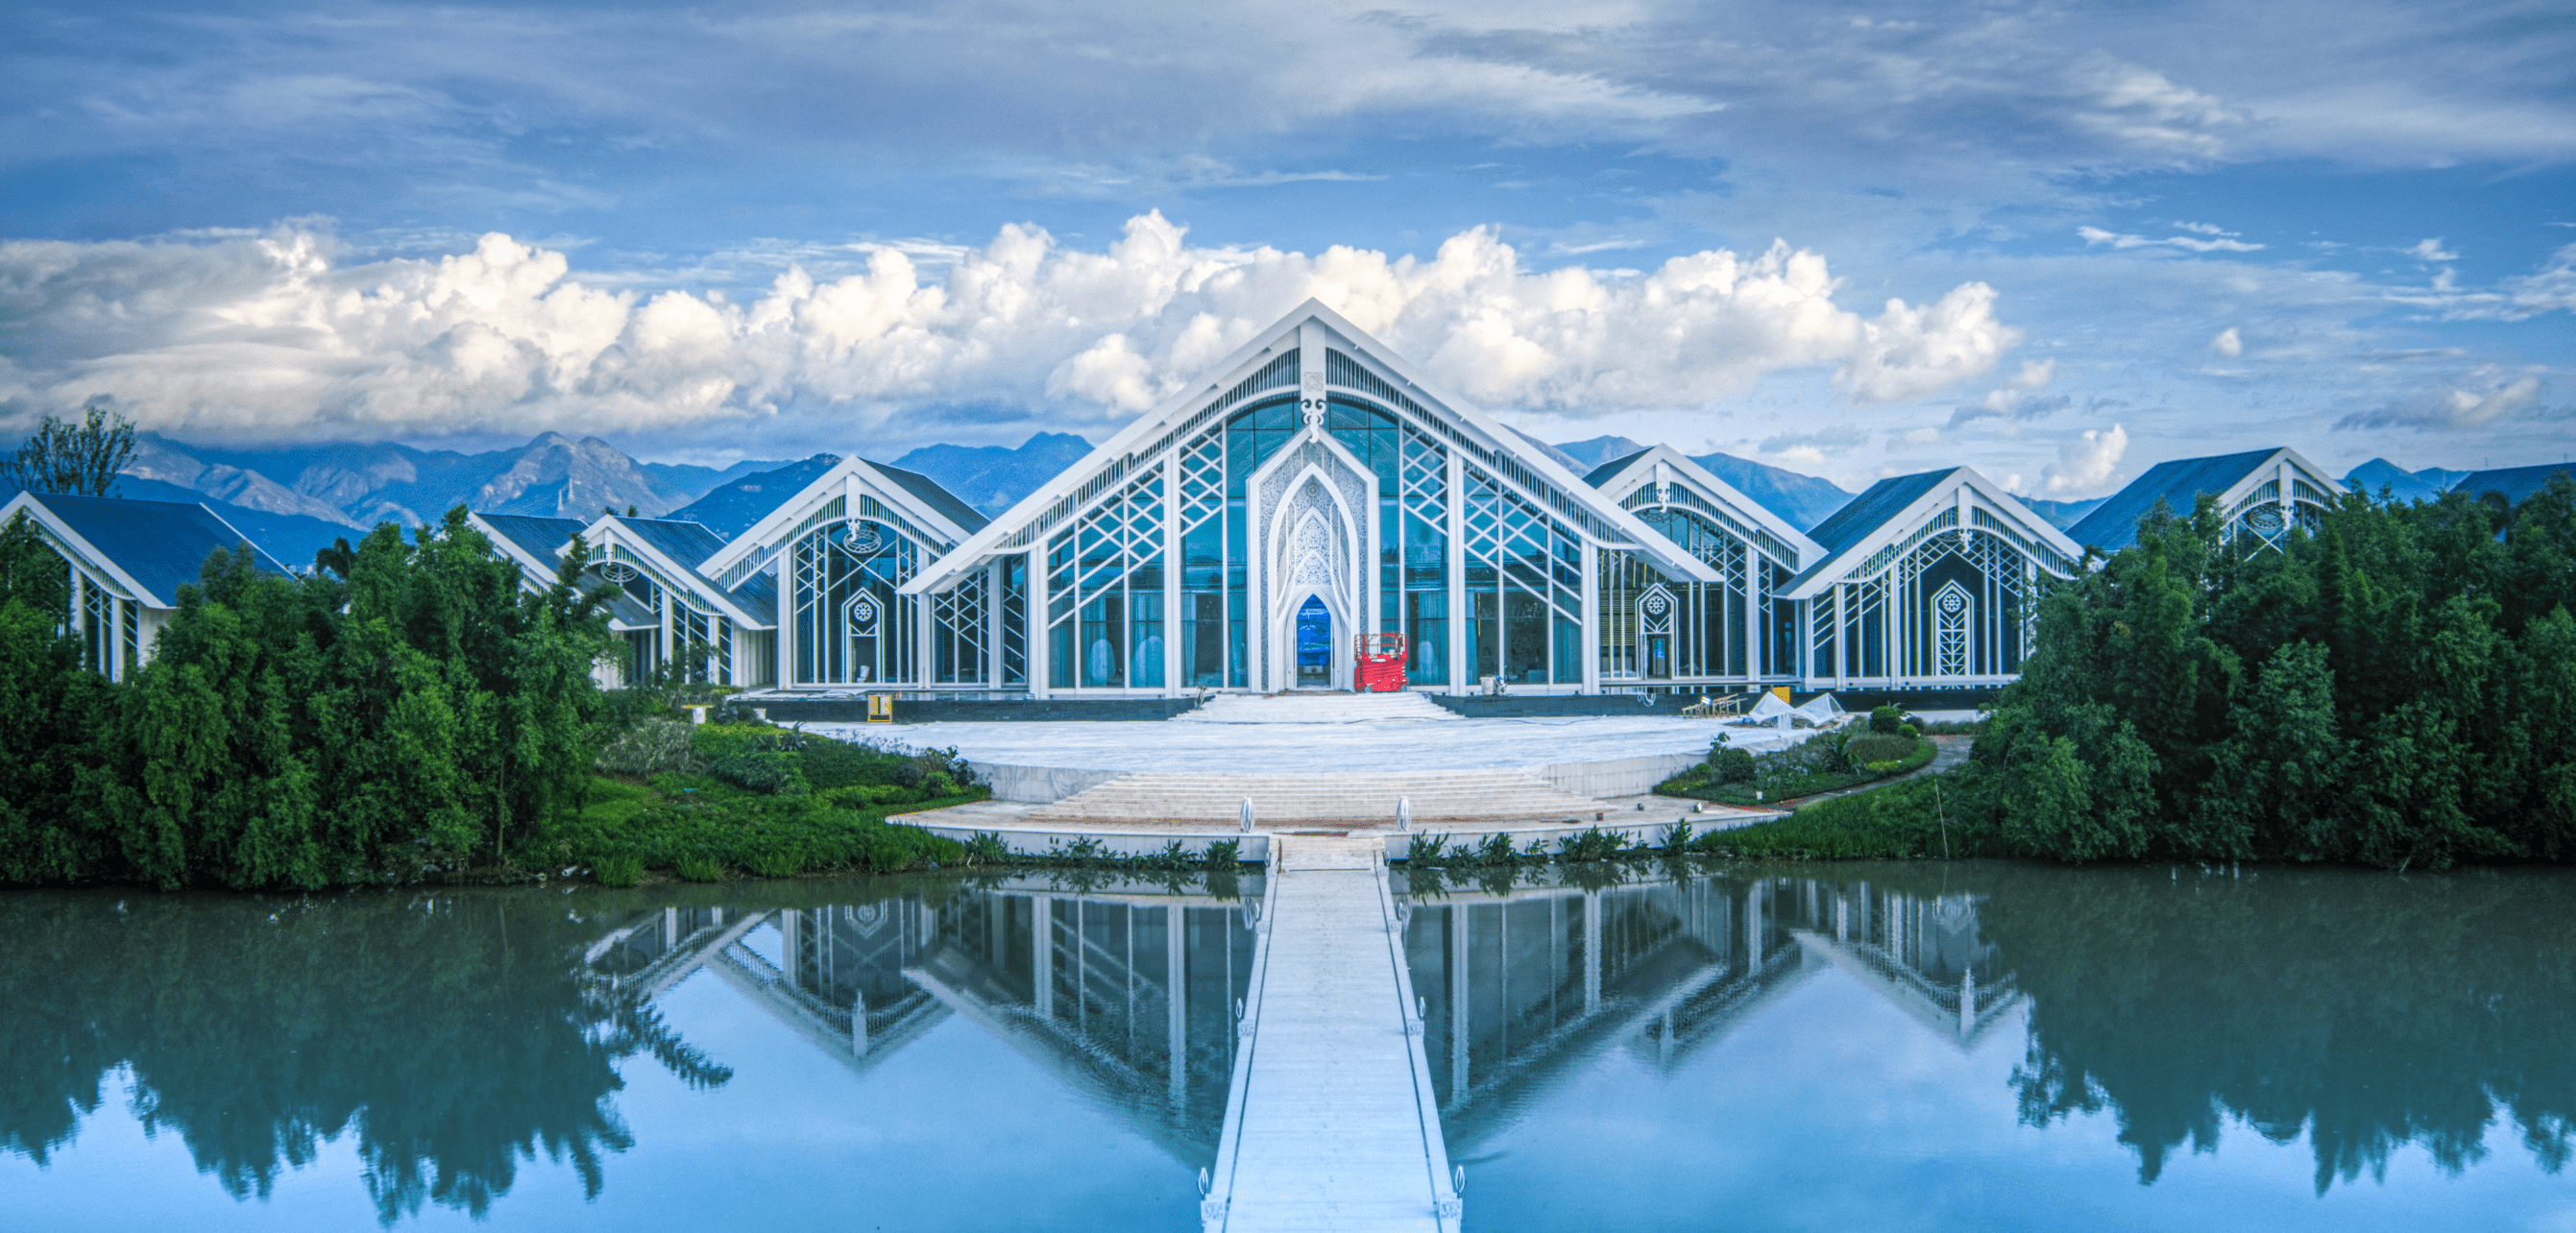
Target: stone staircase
1315	708
1286	801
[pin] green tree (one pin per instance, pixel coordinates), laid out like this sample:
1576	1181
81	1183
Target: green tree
49	709
83	458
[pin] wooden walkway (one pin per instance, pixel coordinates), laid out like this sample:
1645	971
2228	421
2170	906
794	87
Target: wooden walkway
1330	1123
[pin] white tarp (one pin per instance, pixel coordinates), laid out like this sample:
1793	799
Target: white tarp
1823	712
1770	712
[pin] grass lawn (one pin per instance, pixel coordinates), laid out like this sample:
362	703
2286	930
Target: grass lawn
1781	778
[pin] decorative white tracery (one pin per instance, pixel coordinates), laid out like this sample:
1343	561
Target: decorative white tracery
1950	611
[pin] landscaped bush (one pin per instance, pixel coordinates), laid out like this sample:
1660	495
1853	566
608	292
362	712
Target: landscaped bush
1869	749
650	747
768	772
1886	719
1731	766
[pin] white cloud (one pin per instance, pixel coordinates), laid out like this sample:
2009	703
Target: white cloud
2086	464
268	337
2096	236
2227	343
2552	289
2478	398
2431	250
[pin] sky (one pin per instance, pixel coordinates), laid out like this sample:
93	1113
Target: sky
2058	243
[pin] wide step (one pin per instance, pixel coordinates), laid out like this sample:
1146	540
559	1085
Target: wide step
1316	709
1435	797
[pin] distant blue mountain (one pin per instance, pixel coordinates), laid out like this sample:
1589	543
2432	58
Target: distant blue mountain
993	478
733	508
2062	514
2403	485
1803	500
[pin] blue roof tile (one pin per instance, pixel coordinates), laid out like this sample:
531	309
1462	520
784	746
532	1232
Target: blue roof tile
687	543
1865	513
162	545
2113	525
542	538
934	496
1607	471
2516	483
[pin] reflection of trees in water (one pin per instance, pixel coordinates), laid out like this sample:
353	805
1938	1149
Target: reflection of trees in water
2369	1010
455	1035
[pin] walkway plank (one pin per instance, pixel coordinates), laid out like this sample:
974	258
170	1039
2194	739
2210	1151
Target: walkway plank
1331	1125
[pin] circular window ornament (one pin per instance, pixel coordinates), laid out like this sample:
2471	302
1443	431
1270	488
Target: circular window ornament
1655	605
864	612
865	539
2265	519
1952	602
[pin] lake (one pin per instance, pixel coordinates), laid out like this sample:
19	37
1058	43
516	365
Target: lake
1981	1045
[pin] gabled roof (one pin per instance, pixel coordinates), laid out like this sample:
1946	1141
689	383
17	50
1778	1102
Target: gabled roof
540	542
1871	509
1061	500
1619	477
2516	483
936	497
149	548
2113	524
1891	509
912	496
1601	474
675	550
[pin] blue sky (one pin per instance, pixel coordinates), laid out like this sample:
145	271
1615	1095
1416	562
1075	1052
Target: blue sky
2114	235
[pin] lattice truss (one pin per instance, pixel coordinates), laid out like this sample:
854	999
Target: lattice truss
958	632
1712	629
1947	603
850	626
2263	522
1105	571
1531	568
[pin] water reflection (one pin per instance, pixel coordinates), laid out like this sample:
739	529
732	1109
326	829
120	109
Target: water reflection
1520	984
456	1039
1124	996
2363	1011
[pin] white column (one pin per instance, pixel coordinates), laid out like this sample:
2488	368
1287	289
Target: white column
1172	573
1460	680
1175	989
1036	618
1591	951
1042	955
1590	649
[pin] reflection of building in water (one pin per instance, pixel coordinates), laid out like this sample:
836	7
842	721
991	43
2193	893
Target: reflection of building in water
1517	988
1129	999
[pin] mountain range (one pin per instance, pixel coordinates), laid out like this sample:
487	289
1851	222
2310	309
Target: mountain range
295	500
1802	499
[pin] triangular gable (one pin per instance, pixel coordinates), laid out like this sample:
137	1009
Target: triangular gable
1736	513
147	549
914	503
2113	524
658	546
1374	372
1893	509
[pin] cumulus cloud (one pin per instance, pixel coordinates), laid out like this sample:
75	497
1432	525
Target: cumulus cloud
2430	249
2227	343
2087	463
272	336
2478	398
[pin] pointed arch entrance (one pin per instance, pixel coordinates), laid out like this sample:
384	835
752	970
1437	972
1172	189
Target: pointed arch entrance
1312	504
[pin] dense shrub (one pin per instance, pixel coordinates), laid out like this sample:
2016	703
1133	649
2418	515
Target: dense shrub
2399	690
1873	748
415	711
1886	719
650	747
1731	766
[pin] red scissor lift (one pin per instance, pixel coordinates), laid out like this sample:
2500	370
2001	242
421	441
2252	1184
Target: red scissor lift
1381	663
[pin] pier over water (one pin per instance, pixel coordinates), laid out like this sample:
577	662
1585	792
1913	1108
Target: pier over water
1331	1122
